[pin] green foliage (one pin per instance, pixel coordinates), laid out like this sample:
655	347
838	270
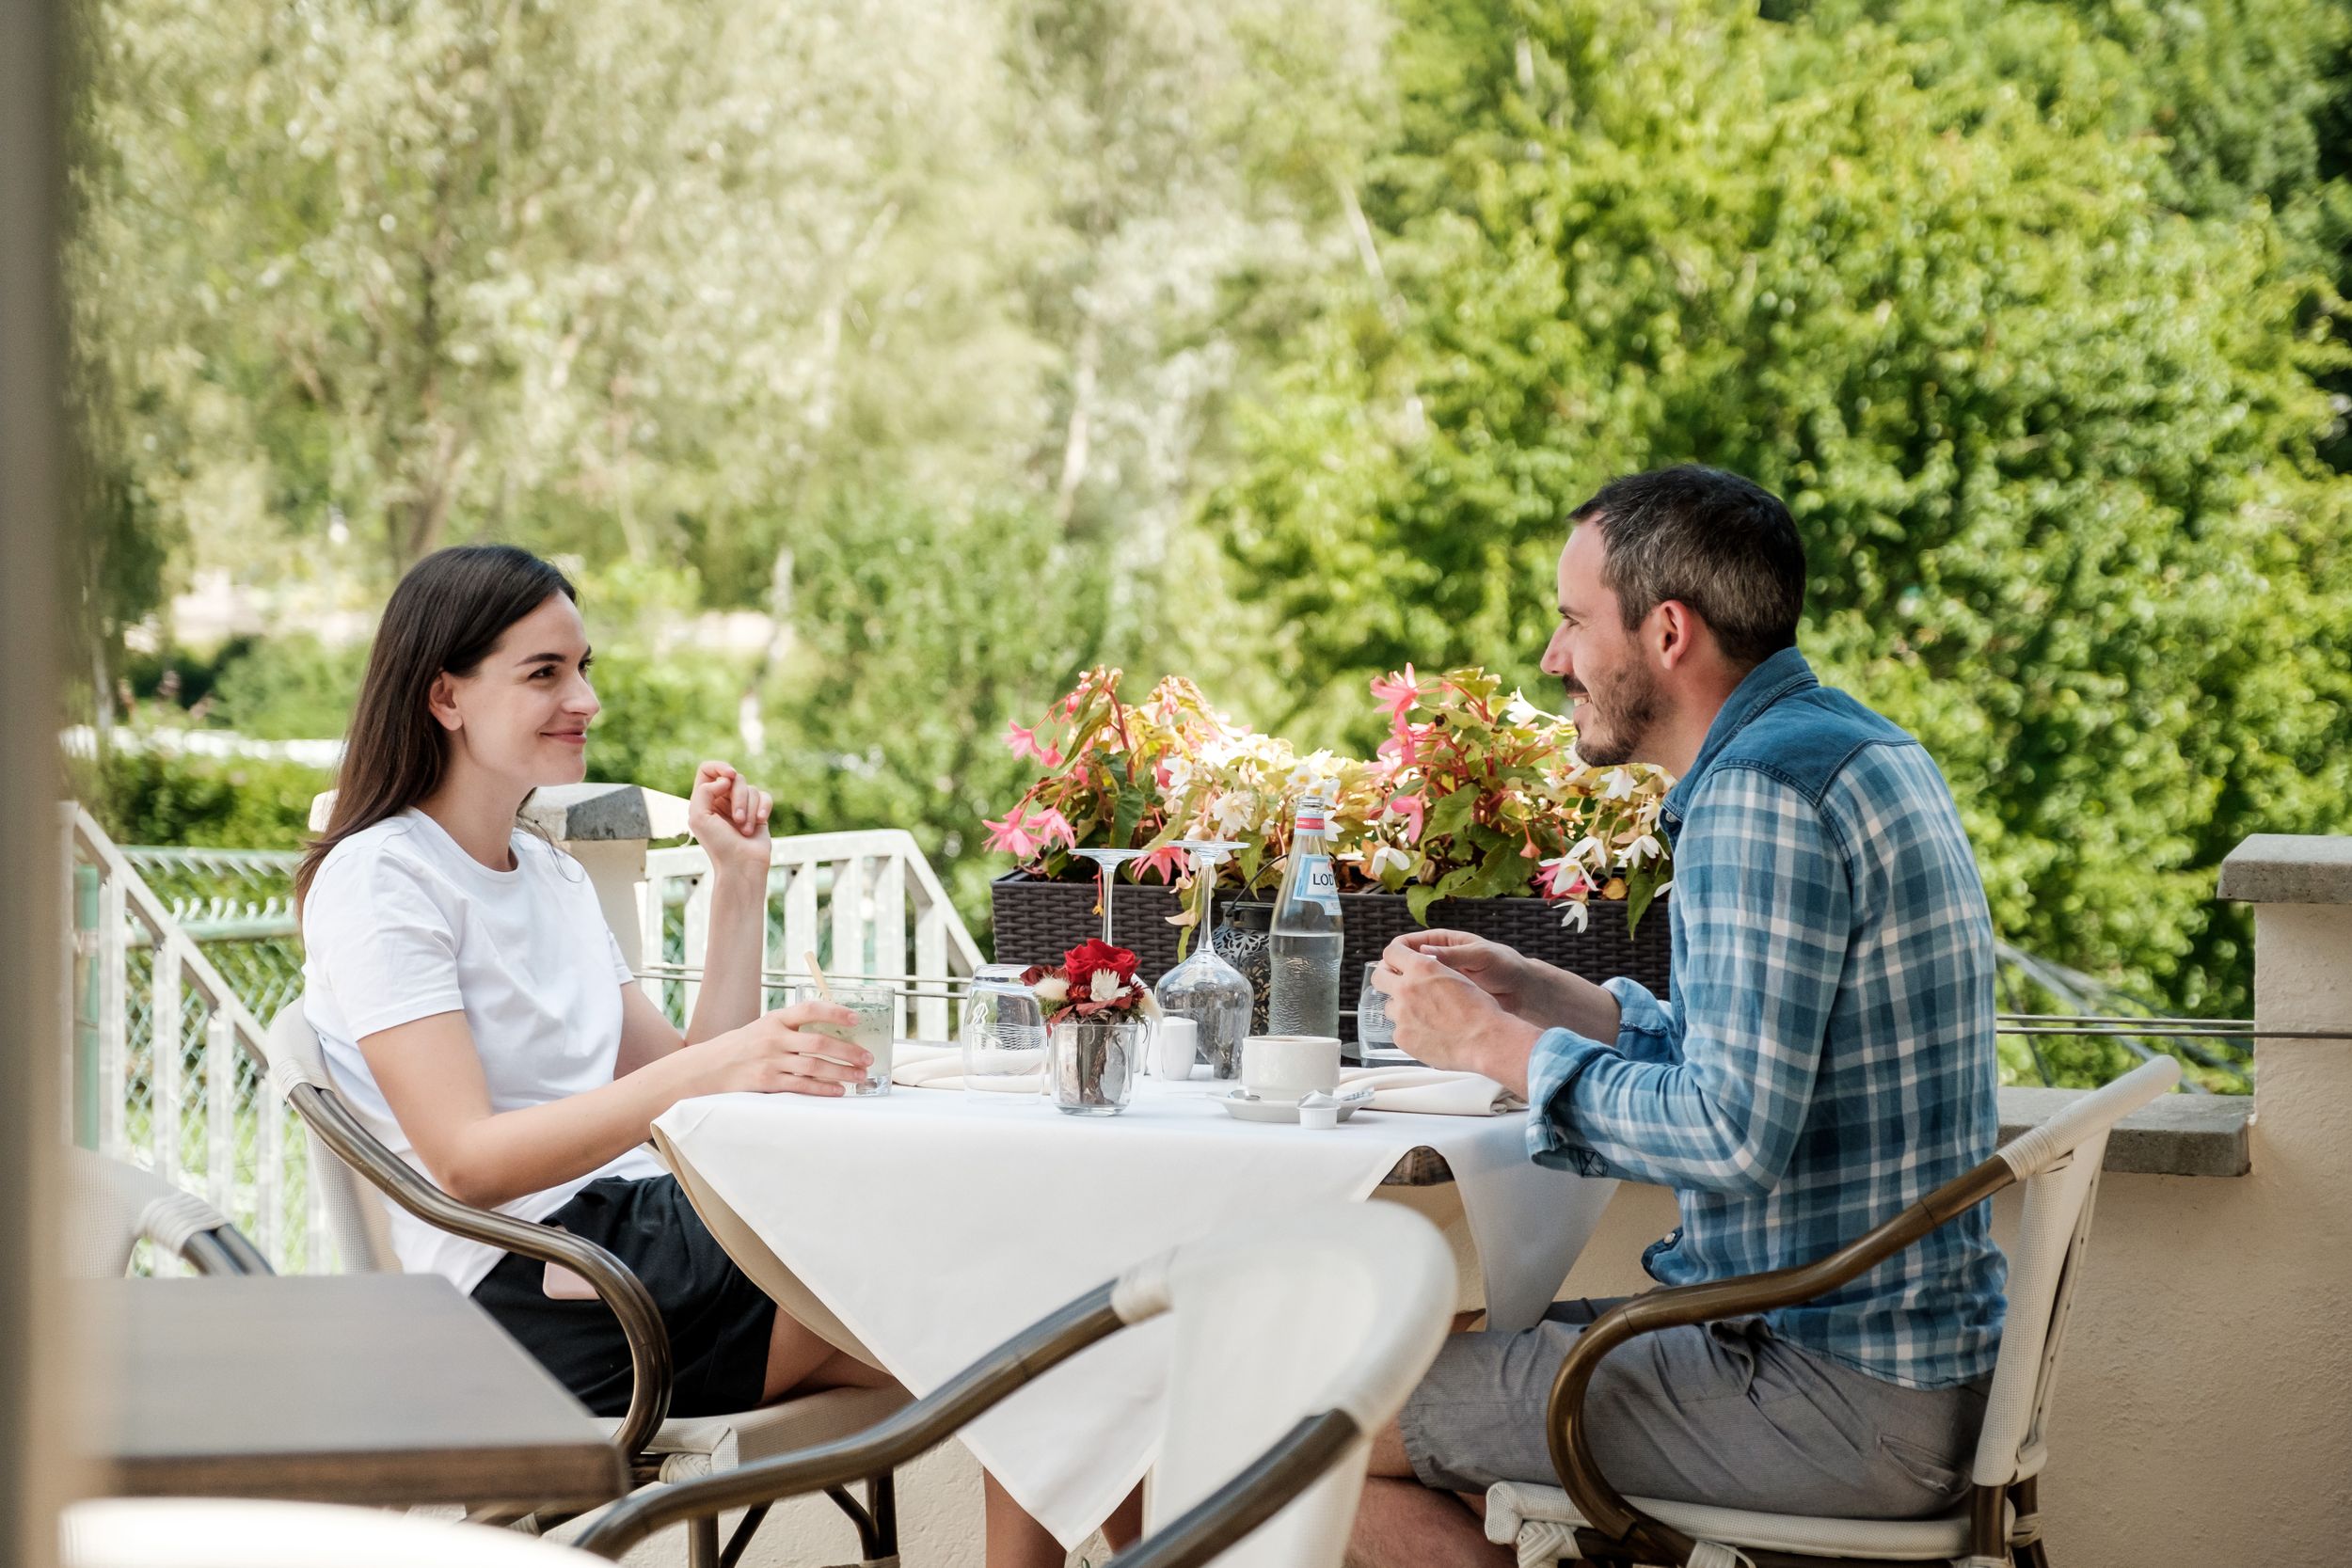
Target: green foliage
919	636
289	687
2052	446
157	797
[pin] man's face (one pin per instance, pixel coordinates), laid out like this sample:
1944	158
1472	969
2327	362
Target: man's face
1614	691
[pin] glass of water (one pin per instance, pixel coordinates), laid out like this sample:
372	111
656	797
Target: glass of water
877	1029
1003	1035
1373	1029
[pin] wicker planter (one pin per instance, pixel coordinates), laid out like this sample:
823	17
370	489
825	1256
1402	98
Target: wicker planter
1038	921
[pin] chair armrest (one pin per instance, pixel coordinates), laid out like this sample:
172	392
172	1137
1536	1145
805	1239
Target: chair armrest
620	1290
1603	1506
891	1442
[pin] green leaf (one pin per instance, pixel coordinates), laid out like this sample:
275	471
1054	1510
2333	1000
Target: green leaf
1451	814
1418	899
1640	887
1134	801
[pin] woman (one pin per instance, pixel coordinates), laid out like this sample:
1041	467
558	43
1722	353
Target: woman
473	1005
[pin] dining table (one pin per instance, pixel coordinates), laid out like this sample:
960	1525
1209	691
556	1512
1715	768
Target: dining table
364	1388
919	1229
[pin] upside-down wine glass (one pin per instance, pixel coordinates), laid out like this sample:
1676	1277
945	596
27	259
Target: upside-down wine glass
1107	862
1205	988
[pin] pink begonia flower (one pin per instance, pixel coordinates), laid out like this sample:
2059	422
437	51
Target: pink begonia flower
1024	743
1399	693
1012	835
1169	860
1409	807
1399	750
1054	825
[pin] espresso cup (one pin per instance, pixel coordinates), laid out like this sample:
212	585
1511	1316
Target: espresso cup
1284	1066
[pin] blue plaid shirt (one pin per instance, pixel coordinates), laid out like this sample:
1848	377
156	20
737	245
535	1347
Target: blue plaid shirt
1827	1056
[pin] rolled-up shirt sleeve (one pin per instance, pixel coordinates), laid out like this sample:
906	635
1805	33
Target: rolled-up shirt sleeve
1709	1092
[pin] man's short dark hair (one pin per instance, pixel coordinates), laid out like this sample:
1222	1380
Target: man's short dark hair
1722	544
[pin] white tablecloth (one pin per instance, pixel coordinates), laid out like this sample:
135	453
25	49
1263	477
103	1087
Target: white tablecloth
935	1226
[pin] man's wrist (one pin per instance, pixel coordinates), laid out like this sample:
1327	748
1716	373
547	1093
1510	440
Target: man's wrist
1504	1050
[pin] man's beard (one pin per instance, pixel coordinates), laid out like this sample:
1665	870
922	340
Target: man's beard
1620	721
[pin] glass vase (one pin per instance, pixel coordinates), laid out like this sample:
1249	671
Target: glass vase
1092	1064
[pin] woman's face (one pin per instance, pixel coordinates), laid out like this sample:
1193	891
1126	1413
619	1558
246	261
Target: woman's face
523	714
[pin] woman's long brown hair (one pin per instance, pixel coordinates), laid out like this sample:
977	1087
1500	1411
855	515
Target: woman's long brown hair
447	614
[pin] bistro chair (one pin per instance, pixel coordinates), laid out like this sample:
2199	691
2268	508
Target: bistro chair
1295	1340
1997	1526
111	1206
344	1149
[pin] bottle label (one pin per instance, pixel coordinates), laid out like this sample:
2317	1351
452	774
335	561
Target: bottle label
1316	880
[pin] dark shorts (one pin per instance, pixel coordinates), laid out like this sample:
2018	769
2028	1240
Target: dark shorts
719	1323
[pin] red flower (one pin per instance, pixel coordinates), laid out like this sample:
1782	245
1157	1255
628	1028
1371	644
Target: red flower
1080	964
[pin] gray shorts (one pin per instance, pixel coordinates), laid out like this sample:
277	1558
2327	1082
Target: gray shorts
1722	1413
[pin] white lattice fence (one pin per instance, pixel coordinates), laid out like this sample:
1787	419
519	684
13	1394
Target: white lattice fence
180	956
868	904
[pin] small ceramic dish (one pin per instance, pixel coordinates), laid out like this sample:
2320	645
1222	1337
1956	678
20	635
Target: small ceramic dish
1243	1106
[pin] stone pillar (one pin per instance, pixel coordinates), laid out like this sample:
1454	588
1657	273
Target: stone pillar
606	827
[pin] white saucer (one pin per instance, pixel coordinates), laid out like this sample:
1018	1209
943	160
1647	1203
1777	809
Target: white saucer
1243	1106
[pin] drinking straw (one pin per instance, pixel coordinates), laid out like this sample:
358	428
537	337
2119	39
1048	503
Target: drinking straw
817	970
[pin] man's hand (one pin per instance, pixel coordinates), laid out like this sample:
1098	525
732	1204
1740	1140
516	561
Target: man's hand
729	819
1497	970
1444	1018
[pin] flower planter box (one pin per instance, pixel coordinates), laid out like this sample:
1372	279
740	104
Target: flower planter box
1038	921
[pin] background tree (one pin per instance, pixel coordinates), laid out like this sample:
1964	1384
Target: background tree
2052	445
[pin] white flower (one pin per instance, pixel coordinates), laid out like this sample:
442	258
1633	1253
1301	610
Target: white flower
1518	710
1576	916
1052	991
1620	785
1645	848
1234	813
1105	986
1589	853
1389	855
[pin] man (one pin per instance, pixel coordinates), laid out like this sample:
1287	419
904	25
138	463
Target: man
1827	1058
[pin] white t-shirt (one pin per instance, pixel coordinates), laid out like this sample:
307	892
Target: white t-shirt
402	923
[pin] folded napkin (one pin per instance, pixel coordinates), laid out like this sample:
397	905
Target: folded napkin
925	1065
1431	1091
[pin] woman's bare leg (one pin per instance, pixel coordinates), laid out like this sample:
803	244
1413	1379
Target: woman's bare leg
801	1362
1017	1541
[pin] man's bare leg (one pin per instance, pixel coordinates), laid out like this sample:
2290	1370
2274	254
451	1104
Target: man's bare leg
1402	1524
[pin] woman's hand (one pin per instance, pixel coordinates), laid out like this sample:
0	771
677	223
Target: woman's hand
776	1053
729	819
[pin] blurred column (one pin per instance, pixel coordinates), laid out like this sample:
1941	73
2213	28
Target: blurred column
36	1366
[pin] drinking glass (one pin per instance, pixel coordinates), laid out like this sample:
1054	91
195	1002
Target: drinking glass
1373	1029
1003	1035
1205	988
877	1029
